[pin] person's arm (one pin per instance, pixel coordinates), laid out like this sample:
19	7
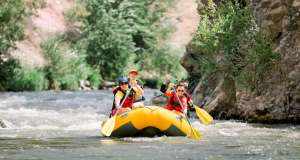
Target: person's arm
184	105
189	101
169	92
119	95
137	88
164	86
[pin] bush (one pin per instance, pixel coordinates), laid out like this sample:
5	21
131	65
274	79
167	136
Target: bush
26	79
66	66
7	72
95	79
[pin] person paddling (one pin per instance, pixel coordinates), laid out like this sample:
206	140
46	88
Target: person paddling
167	89
134	82
173	104
120	96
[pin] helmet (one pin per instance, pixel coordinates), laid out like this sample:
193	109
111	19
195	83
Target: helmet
122	79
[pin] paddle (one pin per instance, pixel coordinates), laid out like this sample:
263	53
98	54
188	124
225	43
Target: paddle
205	117
108	127
194	134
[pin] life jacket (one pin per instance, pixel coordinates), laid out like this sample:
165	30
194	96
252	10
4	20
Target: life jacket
136	99
128	101
189	100
173	103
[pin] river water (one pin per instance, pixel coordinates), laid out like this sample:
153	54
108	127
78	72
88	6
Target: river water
66	125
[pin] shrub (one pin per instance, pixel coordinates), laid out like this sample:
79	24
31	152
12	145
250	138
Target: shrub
27	79
66	66
7	72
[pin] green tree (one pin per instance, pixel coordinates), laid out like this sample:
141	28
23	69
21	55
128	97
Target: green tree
11	29
117	30
230	45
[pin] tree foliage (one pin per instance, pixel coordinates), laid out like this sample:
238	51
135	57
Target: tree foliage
229	44
117	30
11	30
66	67
11	27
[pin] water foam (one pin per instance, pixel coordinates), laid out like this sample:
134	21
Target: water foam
66	119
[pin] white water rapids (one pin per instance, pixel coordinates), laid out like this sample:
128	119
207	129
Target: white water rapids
66	125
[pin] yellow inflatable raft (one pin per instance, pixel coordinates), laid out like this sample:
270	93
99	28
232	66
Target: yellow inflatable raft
150	121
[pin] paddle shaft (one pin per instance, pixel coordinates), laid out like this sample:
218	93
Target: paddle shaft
174	89
127	94
194	133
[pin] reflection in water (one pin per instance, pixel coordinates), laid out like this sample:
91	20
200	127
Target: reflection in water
66	125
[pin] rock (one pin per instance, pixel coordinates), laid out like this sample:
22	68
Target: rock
296	4
85	85
2	124
279	99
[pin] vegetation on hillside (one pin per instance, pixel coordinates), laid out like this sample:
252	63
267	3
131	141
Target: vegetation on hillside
11	30
123	34
114	36
230	45
66	67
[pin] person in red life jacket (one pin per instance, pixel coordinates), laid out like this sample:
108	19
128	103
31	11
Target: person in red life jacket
134	82
173	103
168	85
120	94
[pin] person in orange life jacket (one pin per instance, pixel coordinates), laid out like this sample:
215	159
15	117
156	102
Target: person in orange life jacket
173	103
167	85
120	94
133	81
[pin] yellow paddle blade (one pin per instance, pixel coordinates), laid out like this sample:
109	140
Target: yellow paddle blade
195	134
108	126
205	117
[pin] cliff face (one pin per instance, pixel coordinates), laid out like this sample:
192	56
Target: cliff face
279	100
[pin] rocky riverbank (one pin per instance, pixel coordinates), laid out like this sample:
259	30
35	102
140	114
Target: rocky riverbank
279	99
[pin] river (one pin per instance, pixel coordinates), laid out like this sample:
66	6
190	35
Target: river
65	125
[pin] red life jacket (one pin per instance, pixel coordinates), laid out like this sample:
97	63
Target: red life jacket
189	100
129	100
173	104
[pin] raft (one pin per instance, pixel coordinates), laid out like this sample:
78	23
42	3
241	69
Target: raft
150	121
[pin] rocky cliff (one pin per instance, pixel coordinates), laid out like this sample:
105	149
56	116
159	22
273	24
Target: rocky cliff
279	101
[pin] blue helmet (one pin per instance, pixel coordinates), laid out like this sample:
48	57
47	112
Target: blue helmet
122	79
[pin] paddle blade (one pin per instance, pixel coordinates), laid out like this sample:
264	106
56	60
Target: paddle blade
108	126
195	134
205	117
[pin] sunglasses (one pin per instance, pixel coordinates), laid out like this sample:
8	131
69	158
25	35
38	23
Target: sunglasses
121	84
180	90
